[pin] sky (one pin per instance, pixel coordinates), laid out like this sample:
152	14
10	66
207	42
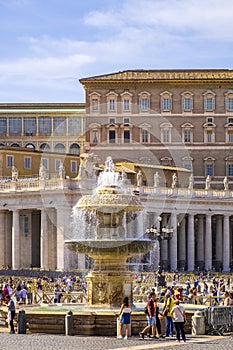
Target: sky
46	46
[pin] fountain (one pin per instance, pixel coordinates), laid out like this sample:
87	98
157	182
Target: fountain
99	231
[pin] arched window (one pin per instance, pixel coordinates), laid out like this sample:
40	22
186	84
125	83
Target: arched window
30	145
75	149
44	147
60	148
15	145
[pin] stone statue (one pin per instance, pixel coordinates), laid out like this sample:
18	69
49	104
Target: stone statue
191	181
81	171
14	173
61	171
109	165
207	182
123	177
89	165
156	179
42	172
225	183
174	180
139	178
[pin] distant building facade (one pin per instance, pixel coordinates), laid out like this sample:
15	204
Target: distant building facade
168	117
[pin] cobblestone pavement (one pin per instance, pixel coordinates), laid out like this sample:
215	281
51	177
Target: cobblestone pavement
60	342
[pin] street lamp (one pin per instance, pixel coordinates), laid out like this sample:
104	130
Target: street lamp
161	233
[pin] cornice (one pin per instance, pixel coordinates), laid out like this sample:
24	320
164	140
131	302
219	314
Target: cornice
176	76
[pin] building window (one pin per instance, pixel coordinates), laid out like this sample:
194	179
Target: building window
126	104
27	162
126	121
187	104
73	167
230	136
209	135
166	104
95	136
230	121
230	169
29	126
59	126
144	104
112	121
57	164
166	135
145	134
45	163
112	136
45	125
60	148
209	104
229	106
112	104
95	105
9	161
126	136
166	101
209	101
74	126
187	135
209	169
3	126
75	149
45	147
15	126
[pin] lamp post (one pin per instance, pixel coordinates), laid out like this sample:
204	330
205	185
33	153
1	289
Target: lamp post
159	234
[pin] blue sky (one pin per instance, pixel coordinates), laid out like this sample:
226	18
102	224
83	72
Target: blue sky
48	45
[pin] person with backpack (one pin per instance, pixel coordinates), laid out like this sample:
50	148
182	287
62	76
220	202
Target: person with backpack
167	312
151	319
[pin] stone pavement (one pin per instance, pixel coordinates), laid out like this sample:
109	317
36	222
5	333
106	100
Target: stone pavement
60	342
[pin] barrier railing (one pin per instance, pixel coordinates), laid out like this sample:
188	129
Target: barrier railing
219	319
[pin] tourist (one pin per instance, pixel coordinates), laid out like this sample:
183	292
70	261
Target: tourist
18	293
158	323
57	294
179	319
227	299
150	317
125	318
29	292
167	312
11	313
1	295
23	295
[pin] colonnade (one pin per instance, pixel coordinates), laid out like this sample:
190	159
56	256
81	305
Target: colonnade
199	241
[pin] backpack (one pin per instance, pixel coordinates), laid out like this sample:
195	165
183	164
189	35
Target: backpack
146	310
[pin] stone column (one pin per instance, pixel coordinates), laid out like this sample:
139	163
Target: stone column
44	246
63	227
173	243
2	239
208	243
191	246
219	242
200	242
182	244
226	244
16	253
